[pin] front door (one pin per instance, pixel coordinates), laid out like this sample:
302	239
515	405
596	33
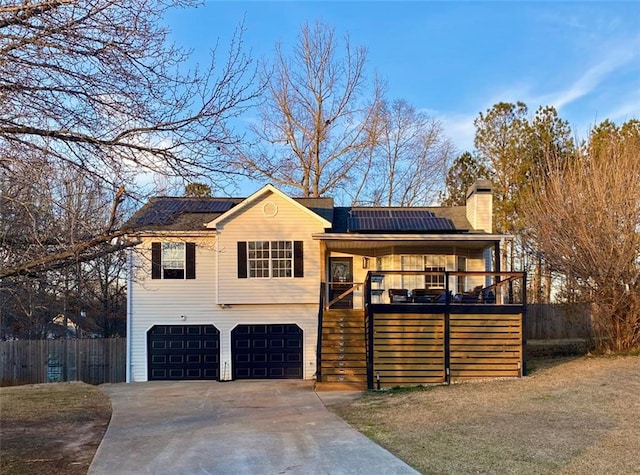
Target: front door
341	281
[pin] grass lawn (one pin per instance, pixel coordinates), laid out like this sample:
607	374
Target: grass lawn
51	428
571	416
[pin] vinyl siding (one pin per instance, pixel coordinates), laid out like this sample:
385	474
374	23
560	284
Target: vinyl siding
252	224
480	211
193	302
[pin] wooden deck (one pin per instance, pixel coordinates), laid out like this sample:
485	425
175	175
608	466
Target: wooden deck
420	344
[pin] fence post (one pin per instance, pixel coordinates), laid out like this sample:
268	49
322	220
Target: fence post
370	348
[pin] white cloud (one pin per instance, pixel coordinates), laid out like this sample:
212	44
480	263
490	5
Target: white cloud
590	79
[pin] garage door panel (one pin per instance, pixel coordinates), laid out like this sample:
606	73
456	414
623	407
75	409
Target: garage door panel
267	351
294	373
277	344
183	352
211	344
241	343
294	344
260	344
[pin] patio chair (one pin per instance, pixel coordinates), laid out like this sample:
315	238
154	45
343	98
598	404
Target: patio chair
421	296
398	295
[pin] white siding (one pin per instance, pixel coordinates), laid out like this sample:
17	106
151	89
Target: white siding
190	302
289	224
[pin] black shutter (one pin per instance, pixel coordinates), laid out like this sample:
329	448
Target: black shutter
190	270
156	260
242	260
298	260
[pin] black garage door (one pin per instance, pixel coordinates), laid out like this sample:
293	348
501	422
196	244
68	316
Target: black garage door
183	352
267	351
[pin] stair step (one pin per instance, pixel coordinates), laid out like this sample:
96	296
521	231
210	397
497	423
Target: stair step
340	386
347	378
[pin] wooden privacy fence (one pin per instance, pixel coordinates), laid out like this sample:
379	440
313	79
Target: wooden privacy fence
94	361
559	321
408	349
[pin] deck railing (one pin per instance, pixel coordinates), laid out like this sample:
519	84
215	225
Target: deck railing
343	295
445	287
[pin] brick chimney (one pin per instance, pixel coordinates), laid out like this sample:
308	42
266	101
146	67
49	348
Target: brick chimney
480	206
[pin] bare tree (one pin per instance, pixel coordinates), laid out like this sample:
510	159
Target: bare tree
93	84
51	218
410	157
316	116
93	87
585	216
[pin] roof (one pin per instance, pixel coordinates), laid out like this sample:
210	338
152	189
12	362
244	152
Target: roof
178	213
167	213
433	220
172	213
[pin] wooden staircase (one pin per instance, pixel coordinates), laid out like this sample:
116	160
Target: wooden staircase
343	355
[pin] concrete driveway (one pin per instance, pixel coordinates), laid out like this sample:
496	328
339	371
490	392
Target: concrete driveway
240	427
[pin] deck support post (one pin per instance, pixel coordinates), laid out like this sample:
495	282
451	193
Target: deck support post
447	330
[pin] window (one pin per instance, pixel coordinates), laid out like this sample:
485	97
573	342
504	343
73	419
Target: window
270	259
435	264
281	259
259	259
462	281
173	260
412	262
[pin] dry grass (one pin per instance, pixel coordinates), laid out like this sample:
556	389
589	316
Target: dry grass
571	416
51	428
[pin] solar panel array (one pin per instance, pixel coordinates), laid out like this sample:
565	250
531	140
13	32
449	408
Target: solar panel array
164	210
397	220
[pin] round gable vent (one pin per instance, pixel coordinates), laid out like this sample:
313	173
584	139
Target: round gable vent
270	209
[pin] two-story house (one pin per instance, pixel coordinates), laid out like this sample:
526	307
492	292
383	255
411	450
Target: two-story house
230	288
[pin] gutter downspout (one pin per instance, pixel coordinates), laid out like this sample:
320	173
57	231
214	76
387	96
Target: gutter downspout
129	311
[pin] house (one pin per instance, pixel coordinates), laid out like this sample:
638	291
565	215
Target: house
272	286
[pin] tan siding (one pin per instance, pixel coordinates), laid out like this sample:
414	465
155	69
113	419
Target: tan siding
289	224
480	211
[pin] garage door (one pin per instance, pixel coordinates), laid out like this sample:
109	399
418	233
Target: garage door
267	351
183	352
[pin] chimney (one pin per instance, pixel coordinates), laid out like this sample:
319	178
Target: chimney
480	206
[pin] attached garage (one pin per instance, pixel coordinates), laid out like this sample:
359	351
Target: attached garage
183	352
267	351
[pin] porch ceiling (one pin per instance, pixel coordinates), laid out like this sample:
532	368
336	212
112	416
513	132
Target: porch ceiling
355	242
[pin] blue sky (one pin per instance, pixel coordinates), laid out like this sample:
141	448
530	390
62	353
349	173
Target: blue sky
456	59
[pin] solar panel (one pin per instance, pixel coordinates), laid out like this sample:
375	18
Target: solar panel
164	211
192	205
397	220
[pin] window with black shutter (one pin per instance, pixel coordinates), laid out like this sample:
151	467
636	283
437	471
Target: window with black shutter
173	260
270	259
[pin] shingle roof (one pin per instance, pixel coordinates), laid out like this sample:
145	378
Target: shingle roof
191	214
179	213
172	213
